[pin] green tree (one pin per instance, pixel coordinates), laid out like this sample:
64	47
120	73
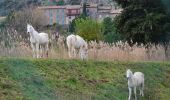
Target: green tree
84	9
74	2
109	30
60	2
143	21
72	25
81	16
89	29
166	4
108	25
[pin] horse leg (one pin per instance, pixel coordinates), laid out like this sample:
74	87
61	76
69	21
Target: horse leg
33	48
142	89
69	52
37	49
74	52
41	50
135	93
46	49
130	93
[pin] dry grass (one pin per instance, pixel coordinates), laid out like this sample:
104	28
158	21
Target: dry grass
101	51
13	46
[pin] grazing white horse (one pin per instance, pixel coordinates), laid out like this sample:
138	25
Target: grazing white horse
77	44
39	42
135	80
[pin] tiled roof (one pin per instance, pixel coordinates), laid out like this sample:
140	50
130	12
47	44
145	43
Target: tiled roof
52	7
117	11
73	6
68	7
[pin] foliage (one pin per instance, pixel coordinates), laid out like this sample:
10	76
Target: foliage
89	29
143	21
78	80
7	6
74	2
110	34
81	16
55	2
166	4
18	20
72	25
84	10
108	25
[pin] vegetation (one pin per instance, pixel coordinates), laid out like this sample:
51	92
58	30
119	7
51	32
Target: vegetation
89	29
143	21
166	4
7	6
30	79
18	20
72	25
109	31
74	2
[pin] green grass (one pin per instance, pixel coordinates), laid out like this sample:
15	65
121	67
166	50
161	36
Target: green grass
30	79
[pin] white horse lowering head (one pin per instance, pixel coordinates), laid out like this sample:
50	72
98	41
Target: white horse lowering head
84	52
77	44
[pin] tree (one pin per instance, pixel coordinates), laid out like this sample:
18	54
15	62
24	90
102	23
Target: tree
74	2
7	6
60	2
84	10
143	21
89	29
81	16
72	25
108	25
109	30
166	4
18	20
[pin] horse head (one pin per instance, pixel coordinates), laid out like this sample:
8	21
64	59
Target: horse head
29	28
129	74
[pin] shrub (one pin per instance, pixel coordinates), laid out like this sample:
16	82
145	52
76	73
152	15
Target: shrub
89	29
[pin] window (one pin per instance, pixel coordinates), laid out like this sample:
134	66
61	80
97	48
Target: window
69	17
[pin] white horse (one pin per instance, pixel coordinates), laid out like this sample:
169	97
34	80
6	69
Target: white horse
77	44
39	42
135	80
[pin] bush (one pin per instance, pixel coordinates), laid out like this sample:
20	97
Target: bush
89	29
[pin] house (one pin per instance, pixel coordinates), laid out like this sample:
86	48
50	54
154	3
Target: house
63	15
72	11
107	11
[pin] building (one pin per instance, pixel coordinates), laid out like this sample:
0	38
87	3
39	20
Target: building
63	15
107	11
72	12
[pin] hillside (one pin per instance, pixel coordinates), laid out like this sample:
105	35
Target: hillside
30	79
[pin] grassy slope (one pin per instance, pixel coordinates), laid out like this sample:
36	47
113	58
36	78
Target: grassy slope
30	79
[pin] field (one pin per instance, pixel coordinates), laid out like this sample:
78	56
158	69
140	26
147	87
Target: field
42	79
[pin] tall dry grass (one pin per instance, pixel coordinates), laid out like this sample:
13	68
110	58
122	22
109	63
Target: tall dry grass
13	45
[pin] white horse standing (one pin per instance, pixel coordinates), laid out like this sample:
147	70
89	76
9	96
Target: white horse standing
77	44
39	42
135	80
